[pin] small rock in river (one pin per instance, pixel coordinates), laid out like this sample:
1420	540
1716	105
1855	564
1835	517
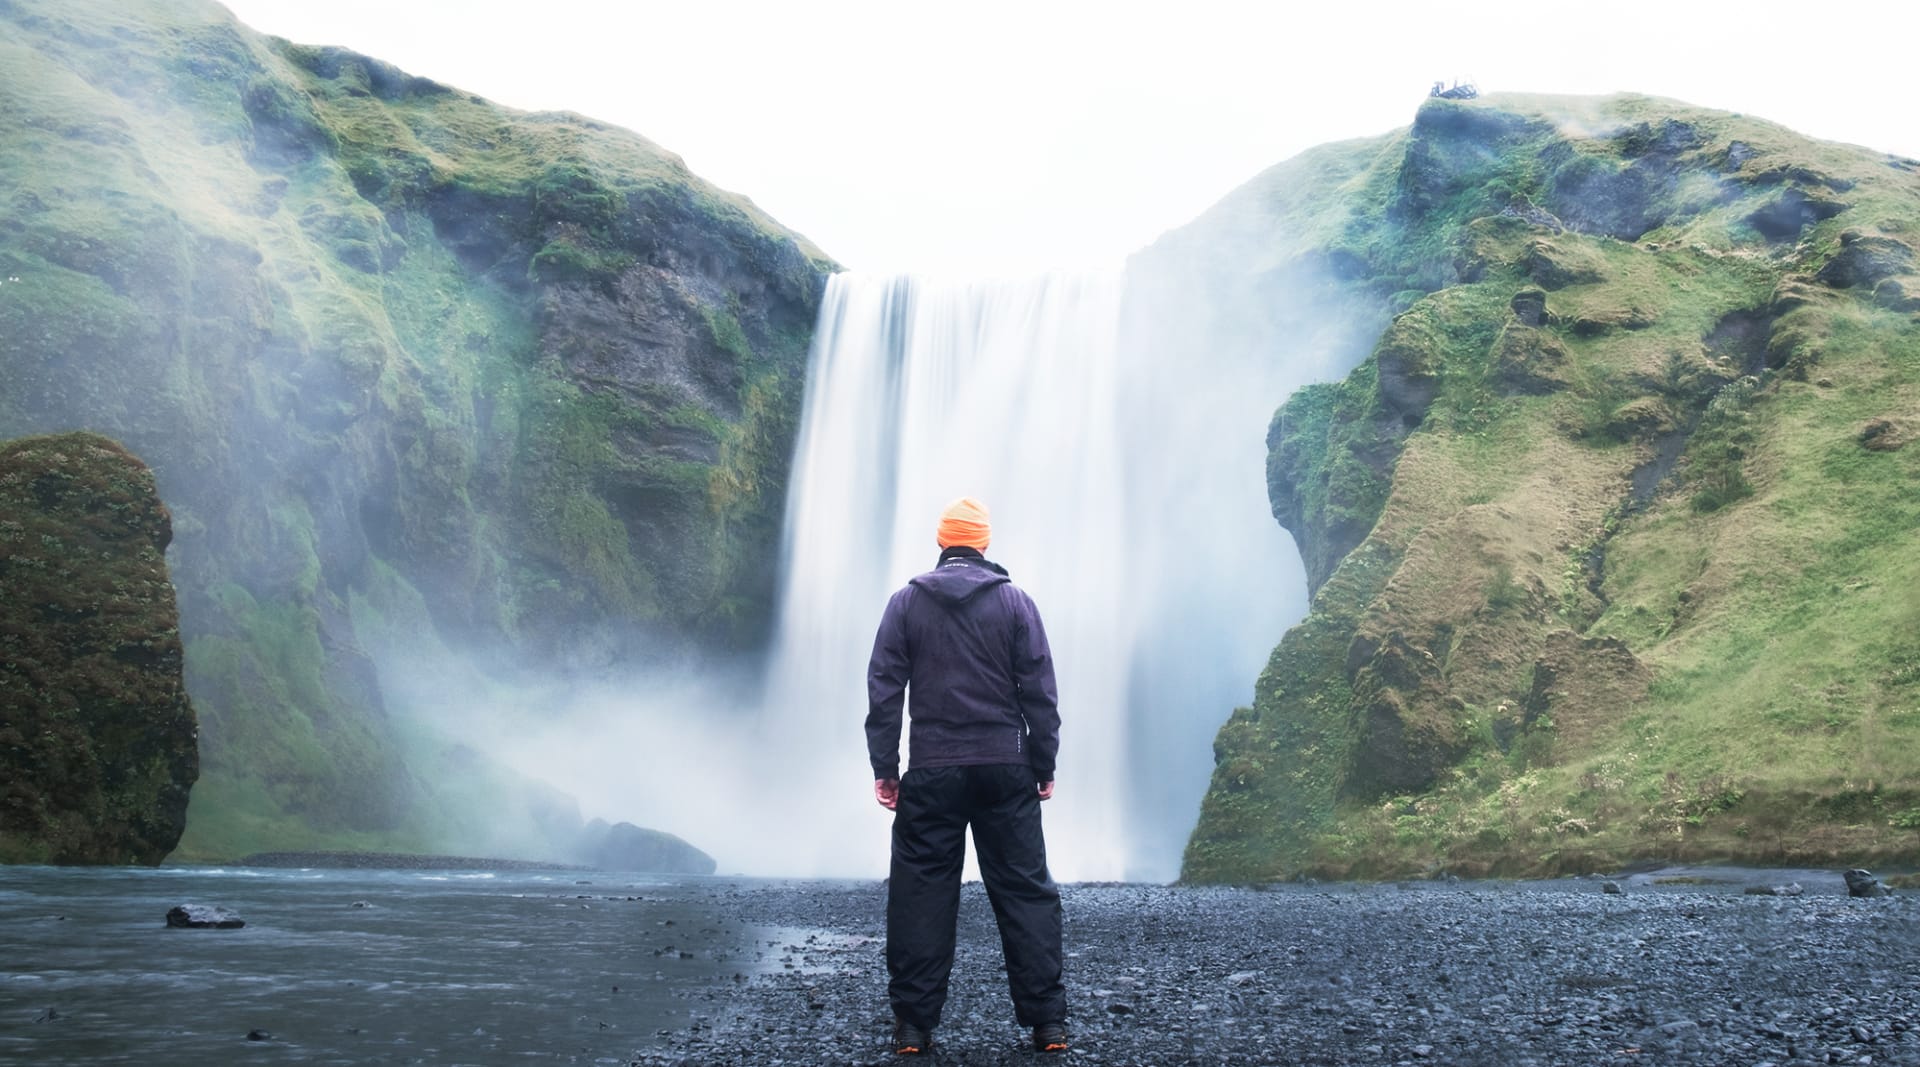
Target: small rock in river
1863	884
203	917
360	904
259	1035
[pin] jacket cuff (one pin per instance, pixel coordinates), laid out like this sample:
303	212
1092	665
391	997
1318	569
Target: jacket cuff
1042	774
890	771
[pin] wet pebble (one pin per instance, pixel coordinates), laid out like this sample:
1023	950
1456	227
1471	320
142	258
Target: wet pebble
1428	972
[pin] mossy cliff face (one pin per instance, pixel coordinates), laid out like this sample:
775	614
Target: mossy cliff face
1607	562
404	362
97	737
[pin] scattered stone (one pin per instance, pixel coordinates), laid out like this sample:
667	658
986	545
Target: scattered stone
203	917
1242	977
1120	1009
1611	887
361	904
1791	889
50	1015
1861	883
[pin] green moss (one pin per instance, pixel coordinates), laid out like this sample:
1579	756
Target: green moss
96	732
323	295
1756	582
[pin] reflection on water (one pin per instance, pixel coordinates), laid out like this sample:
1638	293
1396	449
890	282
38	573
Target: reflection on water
351	967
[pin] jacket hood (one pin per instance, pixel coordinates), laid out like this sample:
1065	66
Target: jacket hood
959	577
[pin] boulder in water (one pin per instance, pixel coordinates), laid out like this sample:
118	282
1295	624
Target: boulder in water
203	917
1863	884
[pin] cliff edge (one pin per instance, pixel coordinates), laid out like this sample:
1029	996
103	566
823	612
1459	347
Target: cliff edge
1610	536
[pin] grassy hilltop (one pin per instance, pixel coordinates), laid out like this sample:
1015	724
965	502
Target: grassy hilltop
409	367
1613	537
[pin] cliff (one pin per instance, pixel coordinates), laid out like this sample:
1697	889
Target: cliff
410	368
97	737
1610	535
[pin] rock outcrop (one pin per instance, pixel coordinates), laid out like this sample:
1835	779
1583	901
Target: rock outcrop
626	847
413	371
1603	570
97	736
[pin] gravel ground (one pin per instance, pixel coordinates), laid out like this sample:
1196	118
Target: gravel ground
1680	968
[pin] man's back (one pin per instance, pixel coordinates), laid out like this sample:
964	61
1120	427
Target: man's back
962	650
970	646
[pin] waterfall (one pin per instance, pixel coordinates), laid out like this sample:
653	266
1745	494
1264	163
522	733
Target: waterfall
1127	498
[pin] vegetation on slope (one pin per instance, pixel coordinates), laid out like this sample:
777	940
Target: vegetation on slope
387	344
1611	536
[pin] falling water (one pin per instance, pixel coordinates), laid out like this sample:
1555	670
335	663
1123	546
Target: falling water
1129	502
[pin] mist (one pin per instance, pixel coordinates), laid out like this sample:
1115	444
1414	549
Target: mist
453	571
1115	424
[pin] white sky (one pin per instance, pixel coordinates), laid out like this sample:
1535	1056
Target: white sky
1003	138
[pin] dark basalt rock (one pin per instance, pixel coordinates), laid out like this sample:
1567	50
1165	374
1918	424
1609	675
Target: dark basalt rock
1898	294
1530	307
1865	260
1782	218
203	917
1862	883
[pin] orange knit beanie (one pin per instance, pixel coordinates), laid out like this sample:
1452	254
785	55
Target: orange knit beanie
964	522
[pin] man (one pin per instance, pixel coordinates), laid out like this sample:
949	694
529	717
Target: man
986	727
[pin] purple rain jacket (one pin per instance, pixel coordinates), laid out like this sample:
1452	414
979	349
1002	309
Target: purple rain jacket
970	645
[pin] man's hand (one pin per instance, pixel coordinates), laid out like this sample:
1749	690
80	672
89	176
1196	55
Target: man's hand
1046	790
887	792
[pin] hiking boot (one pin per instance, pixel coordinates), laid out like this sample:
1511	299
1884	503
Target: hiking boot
1050	1037
910	1040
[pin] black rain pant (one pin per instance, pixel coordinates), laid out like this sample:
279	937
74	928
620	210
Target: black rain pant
937	804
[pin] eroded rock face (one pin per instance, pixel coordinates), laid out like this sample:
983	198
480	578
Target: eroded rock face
1866	259
1480	505
1410	728
98	742
407	365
